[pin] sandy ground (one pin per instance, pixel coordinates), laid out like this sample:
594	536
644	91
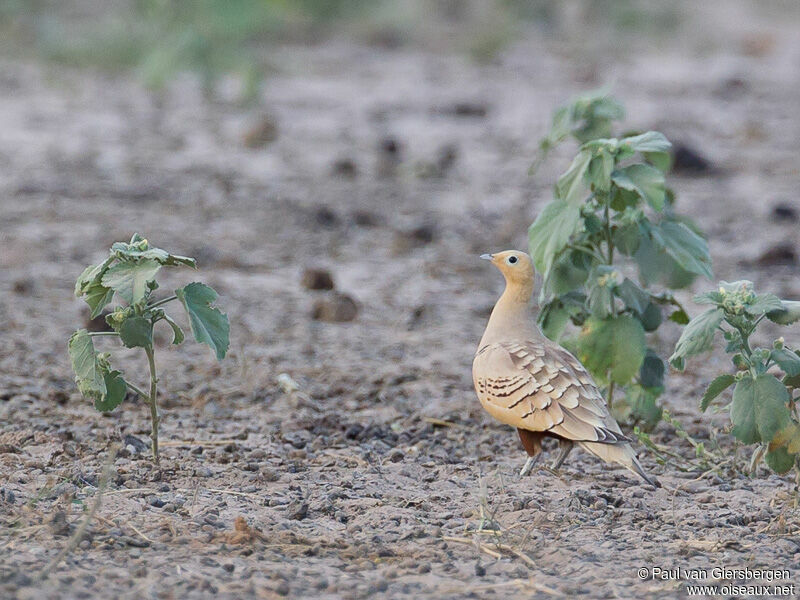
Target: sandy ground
353	488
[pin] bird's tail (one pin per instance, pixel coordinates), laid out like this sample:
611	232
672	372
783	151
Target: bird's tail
622	454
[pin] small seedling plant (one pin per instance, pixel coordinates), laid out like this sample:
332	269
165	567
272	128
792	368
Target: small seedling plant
128	279
611	213
763	409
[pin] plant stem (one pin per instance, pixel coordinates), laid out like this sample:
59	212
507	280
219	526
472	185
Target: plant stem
609	242
153	400
164	301
591	252
139	391
101	333
610	394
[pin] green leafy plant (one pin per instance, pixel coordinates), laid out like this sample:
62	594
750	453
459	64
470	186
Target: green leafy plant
128	275
763	409
611	212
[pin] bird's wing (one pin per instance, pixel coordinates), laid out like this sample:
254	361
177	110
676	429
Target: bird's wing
539	386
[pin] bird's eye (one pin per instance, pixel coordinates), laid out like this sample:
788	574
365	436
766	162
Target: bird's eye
512	260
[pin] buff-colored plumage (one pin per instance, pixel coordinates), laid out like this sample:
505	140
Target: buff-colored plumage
527	381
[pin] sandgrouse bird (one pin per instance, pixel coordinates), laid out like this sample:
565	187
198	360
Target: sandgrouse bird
529	382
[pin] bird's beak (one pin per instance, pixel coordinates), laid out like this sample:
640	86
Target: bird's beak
487	256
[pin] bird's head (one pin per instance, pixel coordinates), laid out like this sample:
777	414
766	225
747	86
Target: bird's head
515	266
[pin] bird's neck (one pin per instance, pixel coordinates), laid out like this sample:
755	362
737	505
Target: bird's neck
511	316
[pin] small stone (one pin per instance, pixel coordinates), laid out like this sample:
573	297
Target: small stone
261	133
779	254
317	279
24	287
297	510
389	157
270	475
282	589
229	567
687	160
134	444
364	218
336	308
344	167
466	108
784	212
480	570
58	523
155	501
325	217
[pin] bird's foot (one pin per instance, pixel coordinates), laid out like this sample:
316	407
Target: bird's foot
529	464
565	448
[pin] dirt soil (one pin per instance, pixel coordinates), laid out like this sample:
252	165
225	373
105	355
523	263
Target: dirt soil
381	476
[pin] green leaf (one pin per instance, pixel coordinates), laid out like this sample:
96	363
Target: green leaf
600	169
654	147
642	405
788	313
709	298
650	141
599	300
688	249
612	348
553	318
655	265
763	303
564	276
601	283
626	238
715	388
97	296
140	249
651	373
789	437
786	360
116	390
551	232
680	317
571	186
209	324
646	181
661	161
633	296
622	199
85	364
91	275
779	460
136	332
130	279
759	409
651	318
177	332
697	336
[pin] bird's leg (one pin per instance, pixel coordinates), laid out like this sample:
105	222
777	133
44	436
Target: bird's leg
566	447
529	464
532	442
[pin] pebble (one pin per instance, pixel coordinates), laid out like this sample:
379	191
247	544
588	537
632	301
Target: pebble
317	279
335	308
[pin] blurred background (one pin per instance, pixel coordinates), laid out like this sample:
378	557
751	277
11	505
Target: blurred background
343	161
384	144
